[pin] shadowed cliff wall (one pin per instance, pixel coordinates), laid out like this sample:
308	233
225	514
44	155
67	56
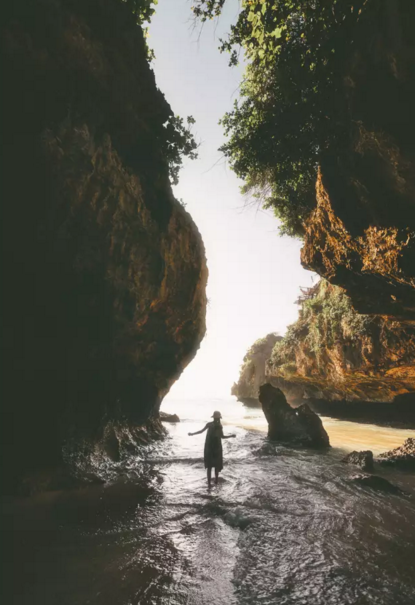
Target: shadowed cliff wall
362	233
103	271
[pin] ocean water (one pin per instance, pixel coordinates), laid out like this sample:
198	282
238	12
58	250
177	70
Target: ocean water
283	526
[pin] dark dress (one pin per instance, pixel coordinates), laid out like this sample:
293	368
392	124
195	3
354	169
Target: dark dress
213	446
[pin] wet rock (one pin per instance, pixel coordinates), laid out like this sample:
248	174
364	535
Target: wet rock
238	518
299	426
363	459
377	483
169	417
402	457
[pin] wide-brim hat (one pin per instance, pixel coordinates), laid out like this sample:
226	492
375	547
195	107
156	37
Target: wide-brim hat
216	415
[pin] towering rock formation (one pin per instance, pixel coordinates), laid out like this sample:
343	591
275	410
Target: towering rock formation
254	369
334	353
362	234
103	271
339	361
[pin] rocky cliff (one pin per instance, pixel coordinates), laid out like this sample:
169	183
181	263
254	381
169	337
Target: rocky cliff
332	353
103	271
254	369
361	235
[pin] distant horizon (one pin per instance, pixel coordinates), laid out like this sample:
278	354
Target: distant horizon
255	274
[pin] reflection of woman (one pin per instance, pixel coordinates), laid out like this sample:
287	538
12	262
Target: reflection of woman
213	446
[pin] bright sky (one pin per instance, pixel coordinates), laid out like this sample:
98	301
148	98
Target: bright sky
254	274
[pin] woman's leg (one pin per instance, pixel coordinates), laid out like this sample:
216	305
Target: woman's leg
216	474
209	475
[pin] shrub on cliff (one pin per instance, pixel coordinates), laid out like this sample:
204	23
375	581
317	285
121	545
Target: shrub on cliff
177	141
290	106
326	317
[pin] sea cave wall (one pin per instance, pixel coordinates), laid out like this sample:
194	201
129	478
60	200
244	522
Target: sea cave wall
361	235
103	271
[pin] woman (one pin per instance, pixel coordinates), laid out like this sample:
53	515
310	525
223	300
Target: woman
213	446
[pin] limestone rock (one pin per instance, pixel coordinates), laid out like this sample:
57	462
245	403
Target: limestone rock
299	426
363	459
254	370
402	457
361	235
334	355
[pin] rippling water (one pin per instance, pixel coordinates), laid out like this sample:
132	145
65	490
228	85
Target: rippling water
283	526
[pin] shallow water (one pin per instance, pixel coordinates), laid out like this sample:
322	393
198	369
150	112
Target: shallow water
283	526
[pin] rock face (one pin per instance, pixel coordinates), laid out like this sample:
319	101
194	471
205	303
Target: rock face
296	427
104	272
333	353
401	457
362	459
378	483
362	233
254	369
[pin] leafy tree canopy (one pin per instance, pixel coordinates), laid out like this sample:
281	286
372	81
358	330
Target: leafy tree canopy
290	107
178	141
142	9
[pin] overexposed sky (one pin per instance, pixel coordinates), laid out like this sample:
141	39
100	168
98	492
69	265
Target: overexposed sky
254	274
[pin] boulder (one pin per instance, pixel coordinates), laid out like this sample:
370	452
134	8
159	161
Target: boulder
169	417
363	459
299	426
377	483
402	457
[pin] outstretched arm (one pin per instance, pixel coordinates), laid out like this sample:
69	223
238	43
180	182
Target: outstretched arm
198	432
228	436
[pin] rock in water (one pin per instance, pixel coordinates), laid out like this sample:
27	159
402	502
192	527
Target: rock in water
377	483
299	426
363	459
401	457
169	417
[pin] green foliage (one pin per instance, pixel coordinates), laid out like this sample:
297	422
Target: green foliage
142	9
260	345
331	318
179	143
326	318
290	105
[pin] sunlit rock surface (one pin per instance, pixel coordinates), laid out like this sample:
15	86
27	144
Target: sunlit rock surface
104	272
334	353
344	364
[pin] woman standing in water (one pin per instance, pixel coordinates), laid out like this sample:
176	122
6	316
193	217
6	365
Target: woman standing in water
213	446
